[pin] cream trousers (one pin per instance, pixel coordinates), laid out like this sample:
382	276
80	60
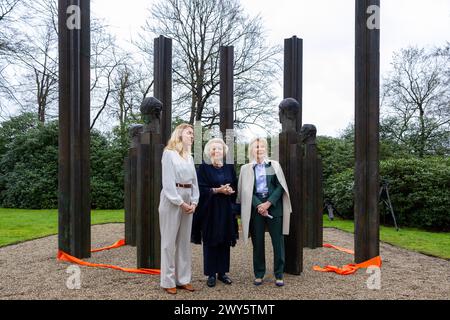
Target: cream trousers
176	252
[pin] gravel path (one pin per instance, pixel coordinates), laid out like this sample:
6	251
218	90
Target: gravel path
30	271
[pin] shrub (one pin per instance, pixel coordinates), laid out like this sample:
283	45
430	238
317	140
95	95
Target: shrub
29	166
419	190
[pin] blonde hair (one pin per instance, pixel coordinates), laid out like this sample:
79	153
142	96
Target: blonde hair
175	142
253	143
207	150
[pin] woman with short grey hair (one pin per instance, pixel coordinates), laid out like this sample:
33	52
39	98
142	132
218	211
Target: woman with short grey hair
215	223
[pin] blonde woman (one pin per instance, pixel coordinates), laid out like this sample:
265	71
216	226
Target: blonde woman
265	203
179	198
215	223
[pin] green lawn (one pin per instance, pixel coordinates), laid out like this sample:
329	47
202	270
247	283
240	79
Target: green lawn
431	243
18	225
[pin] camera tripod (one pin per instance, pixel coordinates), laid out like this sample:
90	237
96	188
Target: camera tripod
384	196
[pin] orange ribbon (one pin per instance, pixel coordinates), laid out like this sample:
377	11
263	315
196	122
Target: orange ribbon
327	245
62	256
349	268
117	244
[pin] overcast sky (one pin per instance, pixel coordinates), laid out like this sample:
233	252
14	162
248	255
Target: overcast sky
327	30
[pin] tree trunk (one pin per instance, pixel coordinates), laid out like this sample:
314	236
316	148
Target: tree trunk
422	141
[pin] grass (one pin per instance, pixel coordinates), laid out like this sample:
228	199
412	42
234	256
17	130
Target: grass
18	225
431	243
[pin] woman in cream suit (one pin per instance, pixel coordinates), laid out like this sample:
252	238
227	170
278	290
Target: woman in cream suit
265	203
179	198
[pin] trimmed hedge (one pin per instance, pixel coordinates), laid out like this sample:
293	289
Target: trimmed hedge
419	191
29	167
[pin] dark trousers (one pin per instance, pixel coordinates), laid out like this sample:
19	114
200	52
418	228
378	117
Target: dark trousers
216	259
257	231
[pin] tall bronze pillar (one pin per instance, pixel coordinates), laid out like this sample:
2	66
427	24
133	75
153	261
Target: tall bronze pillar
367	75
74	211
312	197
163	82
291	163
131	185
149	153
293	73
227	98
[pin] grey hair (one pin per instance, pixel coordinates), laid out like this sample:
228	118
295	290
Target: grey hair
208	145
251	146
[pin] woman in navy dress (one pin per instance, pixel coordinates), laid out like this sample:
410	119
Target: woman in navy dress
215	222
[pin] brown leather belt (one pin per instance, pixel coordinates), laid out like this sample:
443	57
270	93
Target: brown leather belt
181	185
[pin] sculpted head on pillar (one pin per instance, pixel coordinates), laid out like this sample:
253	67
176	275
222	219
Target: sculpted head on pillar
288	111
308	134
134	130
151	113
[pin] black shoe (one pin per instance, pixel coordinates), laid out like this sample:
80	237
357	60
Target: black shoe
211	281
225	279
279	282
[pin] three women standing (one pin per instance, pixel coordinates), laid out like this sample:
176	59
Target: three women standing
265	203
178	201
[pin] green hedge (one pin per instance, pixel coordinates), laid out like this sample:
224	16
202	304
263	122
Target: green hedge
419	191
29	166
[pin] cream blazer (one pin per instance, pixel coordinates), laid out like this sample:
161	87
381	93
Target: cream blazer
245	195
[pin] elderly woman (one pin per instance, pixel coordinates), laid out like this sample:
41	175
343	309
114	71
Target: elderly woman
265	203
215	223
178	201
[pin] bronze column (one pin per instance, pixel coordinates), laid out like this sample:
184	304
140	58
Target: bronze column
293	73
74	211
367	75
291	163
227	99
149	153
131	185
312	197
162	74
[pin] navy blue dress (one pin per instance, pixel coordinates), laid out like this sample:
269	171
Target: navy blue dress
214	223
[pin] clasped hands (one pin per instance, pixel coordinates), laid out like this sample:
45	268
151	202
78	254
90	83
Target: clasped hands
225	189
263	208
188	209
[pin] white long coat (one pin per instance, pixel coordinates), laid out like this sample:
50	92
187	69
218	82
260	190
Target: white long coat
245	195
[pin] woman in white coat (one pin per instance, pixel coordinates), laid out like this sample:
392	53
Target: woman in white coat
179	198
265	204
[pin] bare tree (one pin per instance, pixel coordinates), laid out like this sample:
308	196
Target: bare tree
199	28
9	44
35	64
6	7
131	89
41	71
119	84
416	101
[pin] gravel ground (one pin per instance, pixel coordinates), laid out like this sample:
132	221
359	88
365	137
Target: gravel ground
30	271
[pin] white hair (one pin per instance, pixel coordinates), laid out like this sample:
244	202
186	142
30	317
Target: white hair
252	145
207	150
